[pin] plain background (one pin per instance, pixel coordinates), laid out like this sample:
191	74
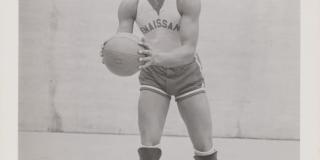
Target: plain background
309	87
249	50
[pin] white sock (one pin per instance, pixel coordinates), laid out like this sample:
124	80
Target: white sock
155	146
206	153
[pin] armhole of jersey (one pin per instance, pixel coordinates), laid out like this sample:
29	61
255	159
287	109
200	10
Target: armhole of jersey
177	3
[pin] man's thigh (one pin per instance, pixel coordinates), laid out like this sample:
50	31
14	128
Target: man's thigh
152	112
196	114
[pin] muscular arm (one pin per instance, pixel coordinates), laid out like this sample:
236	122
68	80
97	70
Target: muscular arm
126	15
189	31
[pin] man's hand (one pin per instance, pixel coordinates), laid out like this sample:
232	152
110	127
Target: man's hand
149	57
101	51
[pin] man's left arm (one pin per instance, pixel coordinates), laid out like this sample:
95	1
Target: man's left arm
189	30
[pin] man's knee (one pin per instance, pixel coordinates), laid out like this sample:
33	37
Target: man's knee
203	146
150	138
205	151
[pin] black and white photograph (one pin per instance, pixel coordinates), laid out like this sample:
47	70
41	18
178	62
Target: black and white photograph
159	80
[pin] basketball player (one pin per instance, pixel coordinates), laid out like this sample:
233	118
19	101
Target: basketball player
170	68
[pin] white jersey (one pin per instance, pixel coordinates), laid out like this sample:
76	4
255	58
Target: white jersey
160	29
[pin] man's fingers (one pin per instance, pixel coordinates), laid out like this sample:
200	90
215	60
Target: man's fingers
144	59
145	65
104	44
142	40
144	45
101	53
145	52
102	48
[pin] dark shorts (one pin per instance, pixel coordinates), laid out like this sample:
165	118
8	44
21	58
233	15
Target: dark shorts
181	82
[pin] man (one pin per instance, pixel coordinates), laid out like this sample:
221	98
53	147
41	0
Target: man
170	67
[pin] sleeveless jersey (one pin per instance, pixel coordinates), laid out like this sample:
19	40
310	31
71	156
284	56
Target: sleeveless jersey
160	29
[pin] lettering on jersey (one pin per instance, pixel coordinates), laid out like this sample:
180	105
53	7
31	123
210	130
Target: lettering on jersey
160	23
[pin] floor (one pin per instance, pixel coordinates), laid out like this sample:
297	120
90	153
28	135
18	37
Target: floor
67	146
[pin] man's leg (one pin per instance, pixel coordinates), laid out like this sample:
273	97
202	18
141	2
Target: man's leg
152	113
195	112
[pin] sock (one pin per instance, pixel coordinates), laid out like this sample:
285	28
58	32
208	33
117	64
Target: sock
155	146
149	152
209	152
208	155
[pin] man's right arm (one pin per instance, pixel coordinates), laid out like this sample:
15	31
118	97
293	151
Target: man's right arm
126	15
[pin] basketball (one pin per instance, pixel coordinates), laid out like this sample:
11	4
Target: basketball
120	54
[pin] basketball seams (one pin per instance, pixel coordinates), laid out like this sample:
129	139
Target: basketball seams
121	54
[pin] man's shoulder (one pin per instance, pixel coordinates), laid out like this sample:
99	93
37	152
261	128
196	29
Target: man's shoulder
132	3
189	6
128	7
188	2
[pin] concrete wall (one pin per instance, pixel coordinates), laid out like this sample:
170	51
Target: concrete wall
250	52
